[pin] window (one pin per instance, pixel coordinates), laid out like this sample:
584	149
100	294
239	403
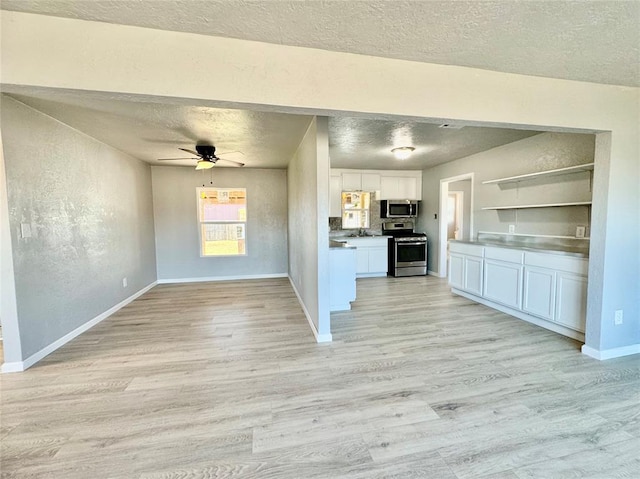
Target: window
222	219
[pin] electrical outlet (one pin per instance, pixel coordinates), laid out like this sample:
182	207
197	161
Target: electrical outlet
124	282
618	317
580	231
512	228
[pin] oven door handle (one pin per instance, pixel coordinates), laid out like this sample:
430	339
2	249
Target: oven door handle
410	243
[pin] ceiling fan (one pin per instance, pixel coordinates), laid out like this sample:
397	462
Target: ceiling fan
206	156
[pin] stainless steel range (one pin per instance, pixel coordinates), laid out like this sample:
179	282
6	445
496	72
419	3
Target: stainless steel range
407	249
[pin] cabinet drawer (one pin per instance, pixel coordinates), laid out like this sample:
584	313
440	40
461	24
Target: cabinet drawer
504	254
465	248
557	262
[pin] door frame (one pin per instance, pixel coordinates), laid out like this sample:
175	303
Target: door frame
442	218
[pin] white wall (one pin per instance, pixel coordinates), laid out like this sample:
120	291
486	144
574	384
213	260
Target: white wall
90	213
40	51
308	180
536	153
176	226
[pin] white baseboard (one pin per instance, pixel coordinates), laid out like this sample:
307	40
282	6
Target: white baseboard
371	275
222	278
19	366
320	338
543	323
611	353
433	273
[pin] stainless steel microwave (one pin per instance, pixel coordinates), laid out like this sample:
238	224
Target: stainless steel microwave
398	208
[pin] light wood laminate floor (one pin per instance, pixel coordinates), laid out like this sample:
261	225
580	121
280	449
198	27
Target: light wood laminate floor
224	380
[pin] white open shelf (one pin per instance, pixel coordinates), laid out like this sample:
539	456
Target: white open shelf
540	174
546	205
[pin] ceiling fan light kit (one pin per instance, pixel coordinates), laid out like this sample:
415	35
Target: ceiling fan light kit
402	152
204	164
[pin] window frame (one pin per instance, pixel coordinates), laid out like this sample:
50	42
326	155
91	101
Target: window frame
200	223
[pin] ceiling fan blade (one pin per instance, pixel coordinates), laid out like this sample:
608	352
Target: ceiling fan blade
190	151
175	159
232	153
230	161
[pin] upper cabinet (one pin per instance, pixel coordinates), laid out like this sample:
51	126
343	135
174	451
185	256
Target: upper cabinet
357	181
388	184
399	188
351	181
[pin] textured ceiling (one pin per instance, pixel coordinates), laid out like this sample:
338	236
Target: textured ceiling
595	41
364	143
149	131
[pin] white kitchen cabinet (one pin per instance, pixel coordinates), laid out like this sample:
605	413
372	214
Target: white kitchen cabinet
370	182
502	282
465	267
408	187
351	181
539	291
456	271
378	259
335	196
371	255
473	266
392	184
397	187
571	300
389	188
547	289
362	260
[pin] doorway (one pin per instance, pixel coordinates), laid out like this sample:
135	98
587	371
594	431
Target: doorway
456	215
455	218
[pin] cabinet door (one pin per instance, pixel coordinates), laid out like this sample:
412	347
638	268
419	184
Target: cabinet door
502	282
378	259
571	300
351	181
335	196
473	275
389	188
370	182
362	259
408	188
456	271
539	291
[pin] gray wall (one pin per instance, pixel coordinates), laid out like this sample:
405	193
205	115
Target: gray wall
537	153
308	180
177	236
90	211
465	187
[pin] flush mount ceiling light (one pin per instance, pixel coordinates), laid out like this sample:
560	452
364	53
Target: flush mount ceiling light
403	152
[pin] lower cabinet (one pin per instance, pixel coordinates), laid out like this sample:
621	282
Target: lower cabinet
503	282
456	271
473	267
465	267
571	300
371	256
545	285
539	292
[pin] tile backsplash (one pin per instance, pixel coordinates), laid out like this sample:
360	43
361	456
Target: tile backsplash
375	222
